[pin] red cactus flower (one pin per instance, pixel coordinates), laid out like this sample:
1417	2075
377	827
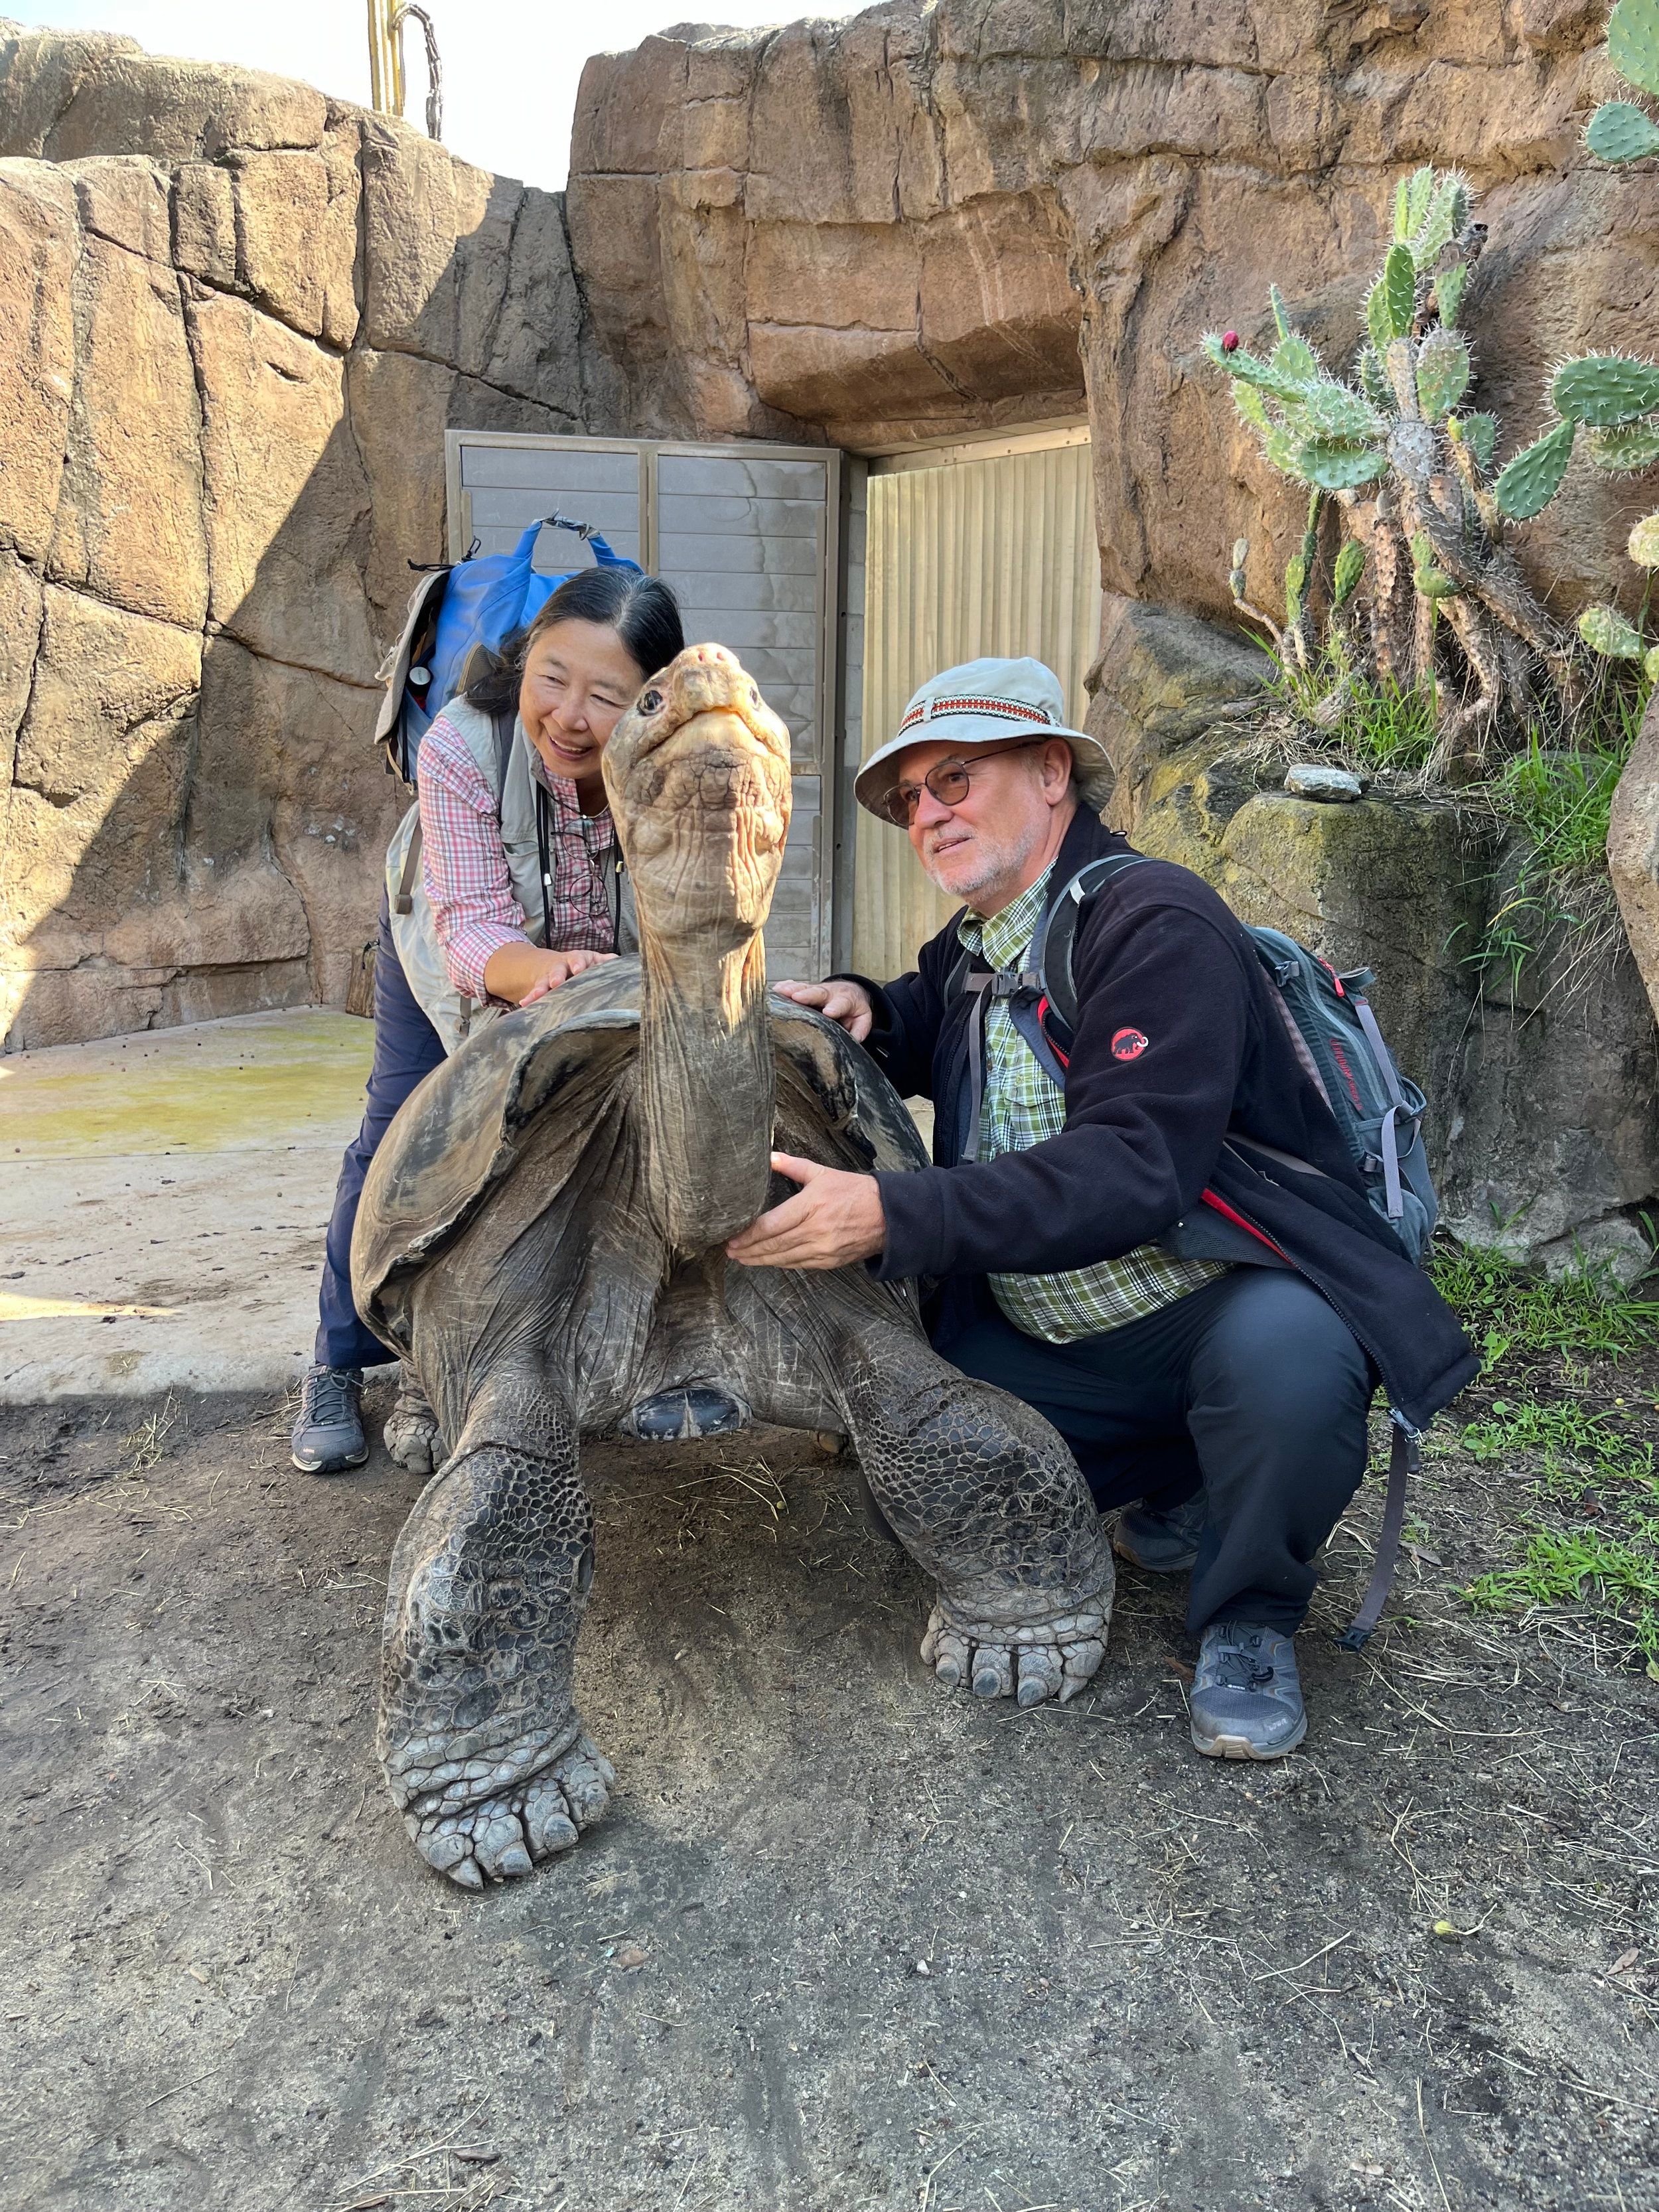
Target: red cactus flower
1230	343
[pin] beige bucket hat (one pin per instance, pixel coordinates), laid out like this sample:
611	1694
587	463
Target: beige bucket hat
986	702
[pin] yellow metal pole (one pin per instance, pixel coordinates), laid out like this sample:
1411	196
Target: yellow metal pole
386	67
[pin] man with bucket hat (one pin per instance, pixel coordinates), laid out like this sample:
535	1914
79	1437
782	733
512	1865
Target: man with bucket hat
1150	1229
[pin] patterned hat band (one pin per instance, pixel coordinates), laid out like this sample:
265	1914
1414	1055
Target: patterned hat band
1000	710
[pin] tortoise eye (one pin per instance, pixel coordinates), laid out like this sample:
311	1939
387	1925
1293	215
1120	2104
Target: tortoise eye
650	703
754	695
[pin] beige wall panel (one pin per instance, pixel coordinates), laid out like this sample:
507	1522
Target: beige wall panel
971	557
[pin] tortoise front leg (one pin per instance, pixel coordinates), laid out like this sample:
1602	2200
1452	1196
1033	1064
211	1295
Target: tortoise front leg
479	1740
986	1496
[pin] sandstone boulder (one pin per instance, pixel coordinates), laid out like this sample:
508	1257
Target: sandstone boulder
129	524
40	245
285	500
1633	852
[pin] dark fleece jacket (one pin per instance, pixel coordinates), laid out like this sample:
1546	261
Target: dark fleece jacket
1145	1137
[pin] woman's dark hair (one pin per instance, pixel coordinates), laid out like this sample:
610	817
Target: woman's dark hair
642	610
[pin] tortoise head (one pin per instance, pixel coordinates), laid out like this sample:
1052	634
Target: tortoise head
697	774
698	777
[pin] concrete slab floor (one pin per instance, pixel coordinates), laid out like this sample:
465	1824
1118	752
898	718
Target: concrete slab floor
163	1203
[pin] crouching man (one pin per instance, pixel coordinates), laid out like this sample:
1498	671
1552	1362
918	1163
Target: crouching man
1158	1239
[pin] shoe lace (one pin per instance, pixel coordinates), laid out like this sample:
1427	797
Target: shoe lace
328	1396
1237	1671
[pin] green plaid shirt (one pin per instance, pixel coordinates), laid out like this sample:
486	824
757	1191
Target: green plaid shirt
1022	1105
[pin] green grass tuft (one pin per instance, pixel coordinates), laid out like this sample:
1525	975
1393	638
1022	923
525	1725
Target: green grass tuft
1592	1466
1509	1311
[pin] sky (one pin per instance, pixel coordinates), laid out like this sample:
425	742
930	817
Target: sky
510	70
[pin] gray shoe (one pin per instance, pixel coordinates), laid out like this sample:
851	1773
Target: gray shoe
1162	1543
328	1433
411	1427
1246	1698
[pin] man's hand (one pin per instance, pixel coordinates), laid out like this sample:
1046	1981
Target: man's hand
832	1220
558	967
844	1002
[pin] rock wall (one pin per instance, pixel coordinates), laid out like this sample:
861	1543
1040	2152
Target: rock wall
240	317
930	220
1540	1082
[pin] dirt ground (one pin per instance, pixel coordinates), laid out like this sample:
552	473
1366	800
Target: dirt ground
845	1940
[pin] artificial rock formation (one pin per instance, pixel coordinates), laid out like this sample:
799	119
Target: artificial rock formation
242	316
1541	1078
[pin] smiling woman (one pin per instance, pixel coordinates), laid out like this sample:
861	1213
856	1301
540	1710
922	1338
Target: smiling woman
503	886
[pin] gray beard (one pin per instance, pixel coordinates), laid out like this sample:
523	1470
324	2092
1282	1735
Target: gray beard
993	864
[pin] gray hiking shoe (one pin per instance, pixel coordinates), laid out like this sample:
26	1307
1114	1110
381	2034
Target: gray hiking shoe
411	1427
328	1433
1246	1698
1162	1543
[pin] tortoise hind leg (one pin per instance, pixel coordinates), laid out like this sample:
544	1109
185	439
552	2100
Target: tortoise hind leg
479	1740
985	1497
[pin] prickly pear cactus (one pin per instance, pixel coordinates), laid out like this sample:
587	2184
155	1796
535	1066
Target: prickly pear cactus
1619	131
1409	468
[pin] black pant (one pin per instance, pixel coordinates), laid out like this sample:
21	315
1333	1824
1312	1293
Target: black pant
406	1050
1251	1388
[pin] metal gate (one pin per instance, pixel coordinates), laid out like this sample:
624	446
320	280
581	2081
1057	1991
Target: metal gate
986	547
748	536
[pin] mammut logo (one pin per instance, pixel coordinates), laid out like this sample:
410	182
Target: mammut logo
1129	1045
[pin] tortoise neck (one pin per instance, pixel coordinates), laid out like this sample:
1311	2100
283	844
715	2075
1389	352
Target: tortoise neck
706	1087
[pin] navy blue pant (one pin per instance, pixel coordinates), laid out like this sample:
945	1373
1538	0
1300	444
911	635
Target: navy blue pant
406	1048
1251	1388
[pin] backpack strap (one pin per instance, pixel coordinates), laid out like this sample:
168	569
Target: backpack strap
991	984
1405	1458
404	900
1051	947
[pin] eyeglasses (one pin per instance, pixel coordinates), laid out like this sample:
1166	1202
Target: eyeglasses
949	782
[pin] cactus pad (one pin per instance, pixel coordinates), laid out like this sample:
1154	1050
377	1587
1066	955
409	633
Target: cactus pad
1331	467
1603	390
1449	291
1350	567
1650	664
1431	581
1479	434
1411	203
1632	446
1374	381
1331	411
1243	364
1644	547
1620	132
1605	630
1443	374
1397	291
1447	212
1252	407
1294	359
1633	43
1531	480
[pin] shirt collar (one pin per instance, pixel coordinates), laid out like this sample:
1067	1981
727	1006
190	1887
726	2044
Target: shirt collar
567	807
1003	937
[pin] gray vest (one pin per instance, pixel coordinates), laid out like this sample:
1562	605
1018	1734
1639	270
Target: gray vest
505	769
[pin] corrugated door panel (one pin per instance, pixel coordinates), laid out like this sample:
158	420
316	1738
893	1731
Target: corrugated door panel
971	558
506	488
742	539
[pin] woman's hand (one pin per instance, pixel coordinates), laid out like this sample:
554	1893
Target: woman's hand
838	1001
558	967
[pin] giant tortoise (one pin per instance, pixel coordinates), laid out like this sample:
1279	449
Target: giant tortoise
542	1235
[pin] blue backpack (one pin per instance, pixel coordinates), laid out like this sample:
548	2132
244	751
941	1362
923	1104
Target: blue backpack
479	601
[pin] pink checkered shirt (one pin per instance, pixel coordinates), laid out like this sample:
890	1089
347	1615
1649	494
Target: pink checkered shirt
464	867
